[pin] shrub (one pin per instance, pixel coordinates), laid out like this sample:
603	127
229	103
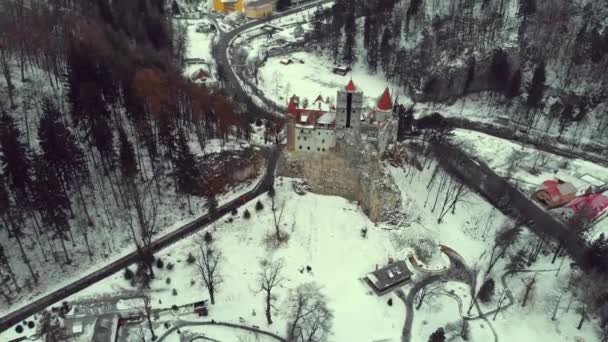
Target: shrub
191	259
174	292
230	220
174	307
19	329
486	292
128	274
192	282
160	263
390	302
271	192
246	214
208	238
31	324
259	206
234	212
169	266
168	281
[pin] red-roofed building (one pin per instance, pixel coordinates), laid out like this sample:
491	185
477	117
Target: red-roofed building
307	116
590	206
555	193
383	109
350	87
386	102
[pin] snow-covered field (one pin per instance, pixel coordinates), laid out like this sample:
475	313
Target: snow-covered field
315	77
325	235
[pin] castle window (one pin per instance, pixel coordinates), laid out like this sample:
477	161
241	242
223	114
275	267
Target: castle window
300	147
323	141
301	131
319	133
318	149
308	148
323	149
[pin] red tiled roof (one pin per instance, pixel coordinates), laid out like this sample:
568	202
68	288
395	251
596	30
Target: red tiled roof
385	103
351	86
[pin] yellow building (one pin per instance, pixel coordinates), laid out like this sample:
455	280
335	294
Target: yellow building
228	5
259	9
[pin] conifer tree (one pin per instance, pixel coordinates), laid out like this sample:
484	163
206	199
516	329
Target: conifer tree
185	166
514	87
536	88
52	203
349	51
385	48
128	164
499	70
15	158
437	336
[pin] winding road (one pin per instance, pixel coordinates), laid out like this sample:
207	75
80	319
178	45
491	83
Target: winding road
40	304
227	74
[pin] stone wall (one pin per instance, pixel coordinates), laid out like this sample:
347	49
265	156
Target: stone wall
355	174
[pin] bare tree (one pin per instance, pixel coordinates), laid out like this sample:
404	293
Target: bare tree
270	277
309	319
504	239
145	311
144	212
529	284
207	263
428	291
277	219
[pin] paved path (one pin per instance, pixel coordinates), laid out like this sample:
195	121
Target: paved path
227	74
458	272
181	324
40	304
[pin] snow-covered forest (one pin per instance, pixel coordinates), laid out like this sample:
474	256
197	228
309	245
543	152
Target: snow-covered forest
540	63
97	133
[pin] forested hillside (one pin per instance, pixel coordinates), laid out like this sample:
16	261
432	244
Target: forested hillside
541	61
95	130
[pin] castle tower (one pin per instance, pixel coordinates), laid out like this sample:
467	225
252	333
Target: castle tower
349	108
291	133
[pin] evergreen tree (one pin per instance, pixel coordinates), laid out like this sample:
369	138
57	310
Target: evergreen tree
17	164
14	230
437	336
597	256
471	64
318	23
536	88
283	4
385	51
526	8
51	202
514	87
128	164
103	138
486	292
185	166
499	70
349	51
59	146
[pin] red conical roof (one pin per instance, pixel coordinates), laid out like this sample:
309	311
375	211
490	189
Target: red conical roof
351	86
319	98
385	103
293	105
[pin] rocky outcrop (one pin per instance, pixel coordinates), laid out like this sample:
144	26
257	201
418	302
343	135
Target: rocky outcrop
355	174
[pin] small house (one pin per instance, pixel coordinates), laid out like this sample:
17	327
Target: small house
106	328
342	70
388	278
259	9
555	193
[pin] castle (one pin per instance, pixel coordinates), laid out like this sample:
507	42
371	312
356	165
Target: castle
323	126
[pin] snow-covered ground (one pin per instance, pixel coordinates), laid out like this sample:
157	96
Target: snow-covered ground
528	167
315	77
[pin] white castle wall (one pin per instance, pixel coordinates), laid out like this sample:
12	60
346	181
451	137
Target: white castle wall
314	139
